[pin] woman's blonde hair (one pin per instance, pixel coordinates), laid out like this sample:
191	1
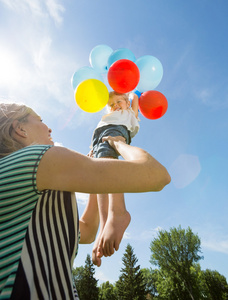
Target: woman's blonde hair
9	113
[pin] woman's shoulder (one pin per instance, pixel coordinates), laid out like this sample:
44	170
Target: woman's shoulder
32	150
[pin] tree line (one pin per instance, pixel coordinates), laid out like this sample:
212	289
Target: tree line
178	276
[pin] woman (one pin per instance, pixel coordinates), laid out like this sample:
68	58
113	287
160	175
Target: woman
38	214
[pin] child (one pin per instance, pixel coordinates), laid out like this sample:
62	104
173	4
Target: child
122	120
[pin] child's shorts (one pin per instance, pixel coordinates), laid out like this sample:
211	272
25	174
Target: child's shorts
103	149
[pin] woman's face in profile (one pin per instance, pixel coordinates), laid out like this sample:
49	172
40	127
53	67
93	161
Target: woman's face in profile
37	131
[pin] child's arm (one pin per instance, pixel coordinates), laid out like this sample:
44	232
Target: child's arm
135	104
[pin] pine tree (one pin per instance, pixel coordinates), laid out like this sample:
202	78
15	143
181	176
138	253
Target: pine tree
85	282
131	282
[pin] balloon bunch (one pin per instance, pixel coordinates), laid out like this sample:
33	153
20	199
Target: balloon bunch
125	73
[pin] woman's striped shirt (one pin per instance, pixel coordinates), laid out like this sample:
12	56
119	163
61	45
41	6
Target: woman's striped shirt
38	232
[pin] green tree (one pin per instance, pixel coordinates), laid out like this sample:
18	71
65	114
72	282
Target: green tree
149	282
78	277
131	282
85	282
215	285
107	291
171	286
175	252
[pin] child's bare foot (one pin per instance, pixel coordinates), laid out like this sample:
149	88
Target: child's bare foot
112	234
95	259
97	253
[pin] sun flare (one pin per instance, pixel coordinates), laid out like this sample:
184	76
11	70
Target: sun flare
9	67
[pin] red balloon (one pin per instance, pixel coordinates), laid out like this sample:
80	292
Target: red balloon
153	104
123	76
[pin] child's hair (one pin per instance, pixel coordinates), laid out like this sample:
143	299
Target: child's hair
113	93
9	113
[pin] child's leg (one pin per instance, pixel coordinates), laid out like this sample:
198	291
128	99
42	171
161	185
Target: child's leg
103	204
117	222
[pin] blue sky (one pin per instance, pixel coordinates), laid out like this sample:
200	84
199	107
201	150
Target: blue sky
42	43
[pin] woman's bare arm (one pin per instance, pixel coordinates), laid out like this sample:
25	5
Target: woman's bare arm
67	170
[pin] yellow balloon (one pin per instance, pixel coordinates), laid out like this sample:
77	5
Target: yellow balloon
91	95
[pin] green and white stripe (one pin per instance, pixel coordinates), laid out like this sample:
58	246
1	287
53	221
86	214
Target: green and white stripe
18	197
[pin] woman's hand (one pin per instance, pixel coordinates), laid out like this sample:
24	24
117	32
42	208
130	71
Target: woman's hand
112	140
90	154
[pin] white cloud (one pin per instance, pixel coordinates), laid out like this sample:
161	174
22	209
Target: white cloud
182	59
19	5
102	277
55	10
215	244
41	53
38	8
150	234
215	96
127	236
214	238
144	235
204	95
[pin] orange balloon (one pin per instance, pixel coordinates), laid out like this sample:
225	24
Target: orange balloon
153	104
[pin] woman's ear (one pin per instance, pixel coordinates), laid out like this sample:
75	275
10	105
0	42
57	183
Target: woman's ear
18	129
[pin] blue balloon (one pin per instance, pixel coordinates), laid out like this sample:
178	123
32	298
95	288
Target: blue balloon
138	93
98	58
84	73
151	72
121	53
